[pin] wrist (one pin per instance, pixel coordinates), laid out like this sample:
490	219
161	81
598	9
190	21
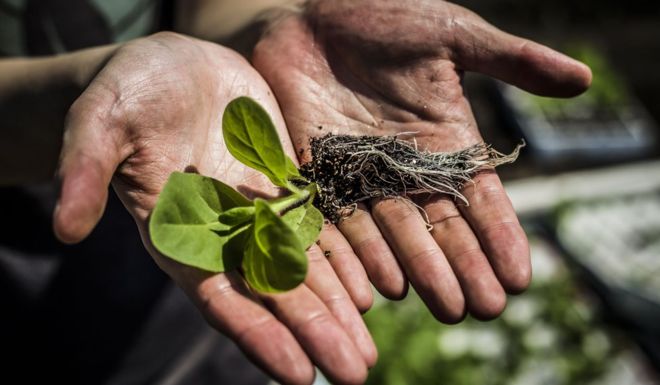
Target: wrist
78	69
36	94
235	26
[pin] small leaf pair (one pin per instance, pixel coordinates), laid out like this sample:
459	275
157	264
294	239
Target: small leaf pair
202	222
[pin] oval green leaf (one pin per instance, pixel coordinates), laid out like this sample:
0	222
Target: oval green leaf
184	224
252	139
274	259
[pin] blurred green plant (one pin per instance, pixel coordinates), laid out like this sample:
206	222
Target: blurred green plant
607	91
547	336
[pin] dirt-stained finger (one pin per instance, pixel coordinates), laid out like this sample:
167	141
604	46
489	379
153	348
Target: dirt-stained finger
228	306
321	335
494	221
347	266
483	293
377	258
325	284
425	264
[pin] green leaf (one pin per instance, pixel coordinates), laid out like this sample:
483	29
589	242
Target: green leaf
291	169
274	259
306	222
237	216
251	138
235	246
184	224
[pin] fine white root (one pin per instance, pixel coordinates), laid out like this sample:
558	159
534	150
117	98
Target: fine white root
352	169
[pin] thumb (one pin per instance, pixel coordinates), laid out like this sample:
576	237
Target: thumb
90	155
479	46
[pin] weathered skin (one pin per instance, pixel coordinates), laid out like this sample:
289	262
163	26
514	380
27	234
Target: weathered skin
156	107
387	67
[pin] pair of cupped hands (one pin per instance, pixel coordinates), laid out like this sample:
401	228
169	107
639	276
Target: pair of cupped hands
352	67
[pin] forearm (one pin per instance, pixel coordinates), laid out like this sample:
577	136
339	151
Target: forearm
234	23
35	95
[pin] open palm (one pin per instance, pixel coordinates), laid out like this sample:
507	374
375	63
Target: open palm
156	107
390	67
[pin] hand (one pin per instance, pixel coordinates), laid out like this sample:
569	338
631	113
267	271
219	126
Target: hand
382	68
156	107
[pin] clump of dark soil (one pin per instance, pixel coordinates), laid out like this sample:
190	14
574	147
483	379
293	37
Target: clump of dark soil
351	169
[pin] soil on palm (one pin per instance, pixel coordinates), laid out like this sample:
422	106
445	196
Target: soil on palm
351	169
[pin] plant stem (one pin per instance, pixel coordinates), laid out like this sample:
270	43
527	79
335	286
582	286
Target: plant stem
297	198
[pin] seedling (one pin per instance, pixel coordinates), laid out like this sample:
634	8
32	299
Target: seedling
202	222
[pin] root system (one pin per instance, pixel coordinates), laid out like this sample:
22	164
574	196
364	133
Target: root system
352	169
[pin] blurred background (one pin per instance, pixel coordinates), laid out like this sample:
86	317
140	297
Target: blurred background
587	189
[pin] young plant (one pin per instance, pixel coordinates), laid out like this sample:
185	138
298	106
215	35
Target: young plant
202	222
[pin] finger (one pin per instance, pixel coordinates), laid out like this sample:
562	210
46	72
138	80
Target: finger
230	308
423	261
320	334
322	280
347	266
484	296
479	46
444	30
91	151
376	256
493	219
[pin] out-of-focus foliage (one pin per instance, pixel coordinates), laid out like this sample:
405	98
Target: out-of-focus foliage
607	91
548	335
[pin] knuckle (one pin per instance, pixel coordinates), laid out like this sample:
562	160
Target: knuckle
255	330
427	254
370	243
315	255
394	212
341	252
470	261
318	320
337	302
442	212
509	230
489	194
